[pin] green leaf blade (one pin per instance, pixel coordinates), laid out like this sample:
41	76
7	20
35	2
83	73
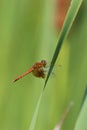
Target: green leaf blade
72	12
81	123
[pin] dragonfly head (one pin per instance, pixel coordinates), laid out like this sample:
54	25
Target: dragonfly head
44	62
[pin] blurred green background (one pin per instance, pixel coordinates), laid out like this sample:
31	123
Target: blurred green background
28	34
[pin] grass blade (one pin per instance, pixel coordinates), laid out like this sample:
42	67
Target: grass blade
64	115
82	119
33	122
72	12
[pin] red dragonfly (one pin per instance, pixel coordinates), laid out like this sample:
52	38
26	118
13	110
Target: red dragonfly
38	70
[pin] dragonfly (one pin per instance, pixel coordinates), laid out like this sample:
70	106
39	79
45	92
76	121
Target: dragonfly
38	70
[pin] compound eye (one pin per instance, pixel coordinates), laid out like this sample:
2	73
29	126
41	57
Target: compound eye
43	62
